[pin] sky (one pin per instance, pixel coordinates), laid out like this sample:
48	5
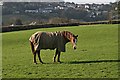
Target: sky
75	1
90	1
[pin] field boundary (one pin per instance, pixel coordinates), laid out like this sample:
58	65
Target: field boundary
28	27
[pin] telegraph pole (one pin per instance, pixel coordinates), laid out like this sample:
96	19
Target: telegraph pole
110	17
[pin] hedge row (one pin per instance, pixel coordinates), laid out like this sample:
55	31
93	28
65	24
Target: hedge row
101	22
27	27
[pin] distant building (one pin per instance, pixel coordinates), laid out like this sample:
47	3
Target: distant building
31	11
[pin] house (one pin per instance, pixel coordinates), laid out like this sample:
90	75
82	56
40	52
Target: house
31	11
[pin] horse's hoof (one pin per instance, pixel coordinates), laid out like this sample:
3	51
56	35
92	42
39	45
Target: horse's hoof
41	62
59	62
35	63
54	62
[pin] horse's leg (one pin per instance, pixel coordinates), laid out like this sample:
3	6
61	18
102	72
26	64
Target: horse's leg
34	52
55	55
39	57
34	57
59	56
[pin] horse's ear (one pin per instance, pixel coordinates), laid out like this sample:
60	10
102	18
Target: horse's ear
76	36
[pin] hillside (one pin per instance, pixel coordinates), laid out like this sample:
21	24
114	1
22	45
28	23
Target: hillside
44	11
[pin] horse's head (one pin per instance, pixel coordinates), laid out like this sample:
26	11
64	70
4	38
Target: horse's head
71	38
74	41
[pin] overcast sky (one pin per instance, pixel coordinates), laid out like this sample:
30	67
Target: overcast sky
75	1
90	1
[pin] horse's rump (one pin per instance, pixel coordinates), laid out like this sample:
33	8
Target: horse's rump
48	40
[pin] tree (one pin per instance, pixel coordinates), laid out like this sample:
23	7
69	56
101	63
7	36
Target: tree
58	20
18	22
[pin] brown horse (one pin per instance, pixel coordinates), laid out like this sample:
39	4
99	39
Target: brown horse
51	40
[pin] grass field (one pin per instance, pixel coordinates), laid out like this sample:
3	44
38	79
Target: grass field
96	55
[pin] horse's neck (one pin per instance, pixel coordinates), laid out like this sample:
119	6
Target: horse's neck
65	36
66	40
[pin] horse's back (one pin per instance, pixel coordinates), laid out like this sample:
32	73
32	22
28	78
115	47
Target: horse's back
48	40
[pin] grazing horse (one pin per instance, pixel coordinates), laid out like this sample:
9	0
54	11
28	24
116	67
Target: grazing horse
51	40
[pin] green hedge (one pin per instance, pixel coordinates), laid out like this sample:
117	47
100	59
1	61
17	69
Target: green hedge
27	27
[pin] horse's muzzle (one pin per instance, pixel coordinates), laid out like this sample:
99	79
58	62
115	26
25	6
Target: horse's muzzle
74	47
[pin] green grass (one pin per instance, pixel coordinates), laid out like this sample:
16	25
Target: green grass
95	57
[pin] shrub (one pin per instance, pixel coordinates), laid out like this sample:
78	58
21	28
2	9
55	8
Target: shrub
18	22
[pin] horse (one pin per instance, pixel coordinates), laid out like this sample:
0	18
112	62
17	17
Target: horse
51	40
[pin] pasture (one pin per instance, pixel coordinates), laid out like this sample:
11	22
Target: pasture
96	55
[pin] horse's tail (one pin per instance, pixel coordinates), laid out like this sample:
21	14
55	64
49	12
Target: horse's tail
32	47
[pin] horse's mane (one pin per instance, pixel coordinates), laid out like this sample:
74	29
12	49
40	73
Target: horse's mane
67	34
